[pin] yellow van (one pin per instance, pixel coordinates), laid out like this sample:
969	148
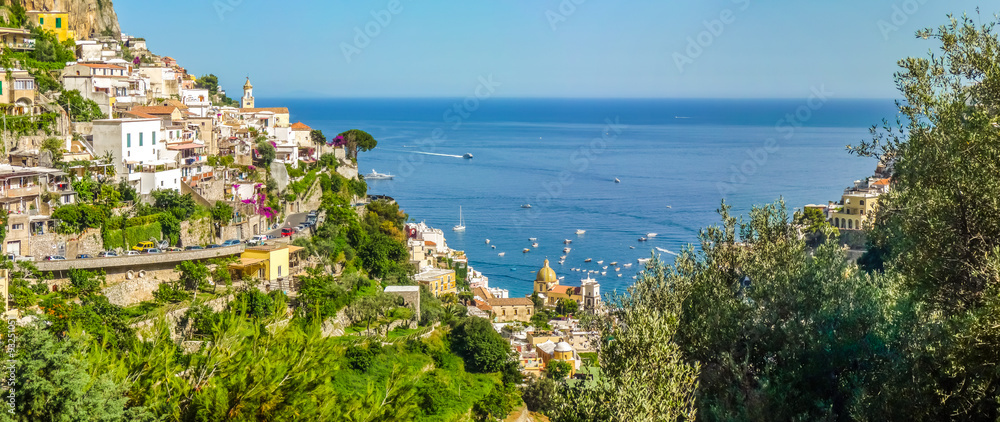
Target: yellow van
141	246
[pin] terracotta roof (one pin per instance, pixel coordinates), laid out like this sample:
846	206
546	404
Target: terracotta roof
177	104
300	126
482	293
517	301
155	109
275	110
881	182
566	290
141	115
429	243
483	306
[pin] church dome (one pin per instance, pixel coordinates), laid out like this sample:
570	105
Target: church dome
564	347
547	274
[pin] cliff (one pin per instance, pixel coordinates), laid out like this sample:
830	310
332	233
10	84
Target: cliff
89	18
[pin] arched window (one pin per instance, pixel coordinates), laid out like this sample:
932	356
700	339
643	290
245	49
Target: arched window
850	224
836	222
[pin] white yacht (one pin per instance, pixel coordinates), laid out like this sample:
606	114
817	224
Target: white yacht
581	231
461	222
378	176
566	250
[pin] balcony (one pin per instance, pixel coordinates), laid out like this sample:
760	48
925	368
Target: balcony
20	192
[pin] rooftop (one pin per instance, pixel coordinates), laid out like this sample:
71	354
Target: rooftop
518	301
432	274
402	289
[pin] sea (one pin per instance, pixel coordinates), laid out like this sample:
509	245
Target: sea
619	169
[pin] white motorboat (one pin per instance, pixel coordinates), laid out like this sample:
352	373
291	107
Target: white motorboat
604	273
487	241
493	246
617	269
526	206
526	250
587	260
617	181
619	275
604	267
601	262
534	245
561	262
461	222
631	247
581	231
566	250
502	253
467	156
643	261
532	239
629	265
643	239
567	241
651	235
378	176
613	263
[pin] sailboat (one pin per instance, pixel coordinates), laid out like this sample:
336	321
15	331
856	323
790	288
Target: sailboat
461	222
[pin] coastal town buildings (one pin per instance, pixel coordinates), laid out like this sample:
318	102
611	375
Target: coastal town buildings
17	39
438	281
550	352
857	207
18	92
503	309
53	21
547	287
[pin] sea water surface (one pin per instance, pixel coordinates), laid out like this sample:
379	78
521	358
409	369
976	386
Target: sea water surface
676	160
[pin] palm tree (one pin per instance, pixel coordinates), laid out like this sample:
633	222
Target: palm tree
318	138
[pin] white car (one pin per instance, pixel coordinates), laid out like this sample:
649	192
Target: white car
133	253
257	240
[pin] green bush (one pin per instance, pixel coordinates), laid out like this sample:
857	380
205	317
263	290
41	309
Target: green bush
113	238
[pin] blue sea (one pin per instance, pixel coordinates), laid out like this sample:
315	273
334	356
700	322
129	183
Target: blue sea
676	160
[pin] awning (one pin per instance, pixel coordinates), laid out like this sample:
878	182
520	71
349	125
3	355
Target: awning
246	262
184	146
293	249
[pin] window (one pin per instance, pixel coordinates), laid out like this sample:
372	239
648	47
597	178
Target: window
161	183
128	141
41	21
279	271
154	138
24	84
17	226
140	139
58	22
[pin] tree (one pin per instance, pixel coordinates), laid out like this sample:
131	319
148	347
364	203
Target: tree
80	109
318	139
222	213
193	275
567	307
265	153
358	141
48	48
483	349
557	370
209	82
539	394
53	146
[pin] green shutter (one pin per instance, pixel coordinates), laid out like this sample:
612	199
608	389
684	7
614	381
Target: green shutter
58	22
128	141
41	21
154	138
140	139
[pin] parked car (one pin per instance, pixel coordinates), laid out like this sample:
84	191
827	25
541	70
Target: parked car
212	246
257	240
132	253
152	250
231	242
83	256
193	248
107	254
287	231
55	258
174	249
141	246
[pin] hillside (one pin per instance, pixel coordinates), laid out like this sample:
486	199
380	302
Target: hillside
87	17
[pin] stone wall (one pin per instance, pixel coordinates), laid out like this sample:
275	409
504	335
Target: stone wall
89	242
125	292
198	232
144	329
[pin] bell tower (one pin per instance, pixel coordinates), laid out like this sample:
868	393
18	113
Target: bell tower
247	100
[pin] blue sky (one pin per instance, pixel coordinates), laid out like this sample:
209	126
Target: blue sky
544	48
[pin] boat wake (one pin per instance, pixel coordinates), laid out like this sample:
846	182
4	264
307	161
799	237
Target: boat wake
667	251
434	153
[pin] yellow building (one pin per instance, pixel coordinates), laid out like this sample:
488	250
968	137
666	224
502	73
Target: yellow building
54	21
560	352
547	287
856	212
265	263
439	281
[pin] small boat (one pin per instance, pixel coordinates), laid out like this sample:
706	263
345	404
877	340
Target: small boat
631	247
604	267
567	241
532	239
526	250
534	245
526	206
581	231
613	263
619	275
493	246
461	222
643	239
587	260
513	269
669	207
601	262
502	254
629	265
617	181
487	241
617	269
651	235
643	261
604	273
467	156
561	262
566	250
378	176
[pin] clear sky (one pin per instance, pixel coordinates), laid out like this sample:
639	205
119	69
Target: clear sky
544	48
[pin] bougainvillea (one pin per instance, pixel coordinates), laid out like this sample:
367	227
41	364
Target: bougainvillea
258	200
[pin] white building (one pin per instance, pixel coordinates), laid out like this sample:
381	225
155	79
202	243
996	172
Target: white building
421	231
197	100
139	152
